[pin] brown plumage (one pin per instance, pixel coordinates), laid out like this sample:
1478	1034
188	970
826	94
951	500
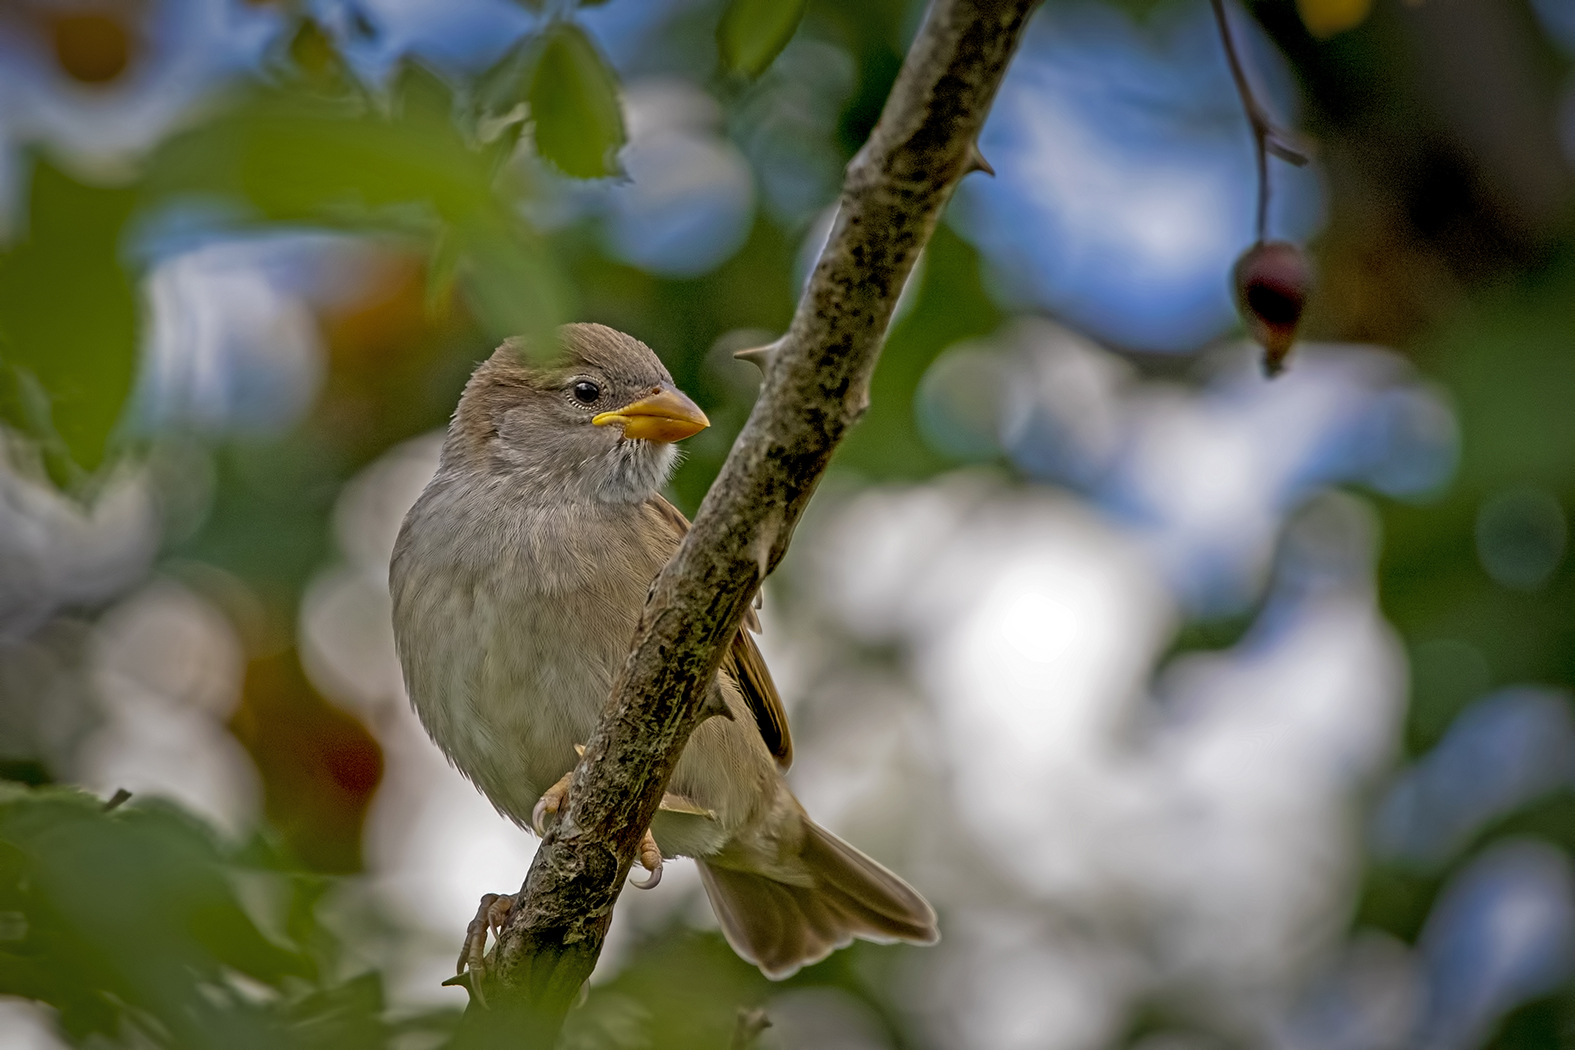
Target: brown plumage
517	580
743	662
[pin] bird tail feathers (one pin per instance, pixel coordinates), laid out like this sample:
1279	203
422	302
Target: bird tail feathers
836	894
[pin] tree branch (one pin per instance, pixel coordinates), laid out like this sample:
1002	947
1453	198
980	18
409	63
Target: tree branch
816	386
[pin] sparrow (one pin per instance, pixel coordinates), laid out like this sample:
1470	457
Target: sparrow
517	580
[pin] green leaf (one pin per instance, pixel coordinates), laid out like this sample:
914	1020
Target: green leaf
68	317
303	160
574	105
132	922
297	159
124	911
500	91
510	284
753	32
314	58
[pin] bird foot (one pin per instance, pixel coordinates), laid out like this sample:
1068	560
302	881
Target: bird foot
552	799
550	802
490	917
650	858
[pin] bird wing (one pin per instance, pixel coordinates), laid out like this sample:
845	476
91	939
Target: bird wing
743	660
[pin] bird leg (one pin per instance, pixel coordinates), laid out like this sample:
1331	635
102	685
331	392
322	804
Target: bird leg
494	909
550	802
650	858
490	916
552	799
650	855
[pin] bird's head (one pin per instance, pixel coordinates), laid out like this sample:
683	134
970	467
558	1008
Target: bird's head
594	419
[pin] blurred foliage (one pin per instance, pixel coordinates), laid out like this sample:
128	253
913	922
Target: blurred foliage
1325	18
1507	363
68	320
319	765
753	32
573	99
1506	360
339	161
141	927
560	83
131	924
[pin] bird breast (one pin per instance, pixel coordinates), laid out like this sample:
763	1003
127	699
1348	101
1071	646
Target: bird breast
511	619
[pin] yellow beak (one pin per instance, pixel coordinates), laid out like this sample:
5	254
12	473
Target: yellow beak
666	415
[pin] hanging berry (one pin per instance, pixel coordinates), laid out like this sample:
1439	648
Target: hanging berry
1272	281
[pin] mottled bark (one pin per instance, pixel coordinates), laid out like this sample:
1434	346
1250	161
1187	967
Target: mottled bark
816	386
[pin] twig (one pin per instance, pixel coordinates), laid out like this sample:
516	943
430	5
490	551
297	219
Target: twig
118	799
747	1029
816	386
1266	138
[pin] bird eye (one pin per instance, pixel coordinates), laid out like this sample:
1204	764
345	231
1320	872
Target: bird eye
586	392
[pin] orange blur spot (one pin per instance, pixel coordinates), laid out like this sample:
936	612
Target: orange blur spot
92	47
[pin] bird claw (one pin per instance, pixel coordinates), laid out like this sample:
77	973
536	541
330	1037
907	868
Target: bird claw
651	860
490	917
551	801
548	803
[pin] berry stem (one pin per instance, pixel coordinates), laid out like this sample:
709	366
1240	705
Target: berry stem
1264	137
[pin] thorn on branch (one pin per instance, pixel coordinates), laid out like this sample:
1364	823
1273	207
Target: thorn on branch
715	706
747	1029
976	161
471	986
759	356
1292	155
